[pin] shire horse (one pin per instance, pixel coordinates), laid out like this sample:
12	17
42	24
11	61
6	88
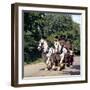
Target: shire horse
46	53
59	55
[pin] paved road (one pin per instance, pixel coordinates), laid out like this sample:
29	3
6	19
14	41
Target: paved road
33	70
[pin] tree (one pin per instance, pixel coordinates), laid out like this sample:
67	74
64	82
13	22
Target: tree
39	24
33	31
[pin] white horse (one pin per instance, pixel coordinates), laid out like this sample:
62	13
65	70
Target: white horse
62	51
58	48
50	52
46	52
64	55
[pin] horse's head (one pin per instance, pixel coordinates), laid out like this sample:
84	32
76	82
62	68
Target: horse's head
41	45
56	44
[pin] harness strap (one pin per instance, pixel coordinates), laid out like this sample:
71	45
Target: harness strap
61	49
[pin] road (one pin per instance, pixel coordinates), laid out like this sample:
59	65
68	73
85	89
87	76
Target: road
38	69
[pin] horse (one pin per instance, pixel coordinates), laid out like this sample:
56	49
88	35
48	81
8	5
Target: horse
50	62
59	55
46	52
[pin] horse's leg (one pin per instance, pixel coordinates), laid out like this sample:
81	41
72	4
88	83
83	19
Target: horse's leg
49	65
62	58
61	64
47	62
53	66
54	61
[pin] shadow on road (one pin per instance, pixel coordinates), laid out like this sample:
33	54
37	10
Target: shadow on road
76	67
74	72
42	69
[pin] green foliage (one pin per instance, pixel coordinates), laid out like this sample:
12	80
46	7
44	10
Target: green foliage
38	24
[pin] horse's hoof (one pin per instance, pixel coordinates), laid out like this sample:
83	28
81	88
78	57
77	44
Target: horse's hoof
58	68
68	65
49	69
54	69
61	68
71	66
46	69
